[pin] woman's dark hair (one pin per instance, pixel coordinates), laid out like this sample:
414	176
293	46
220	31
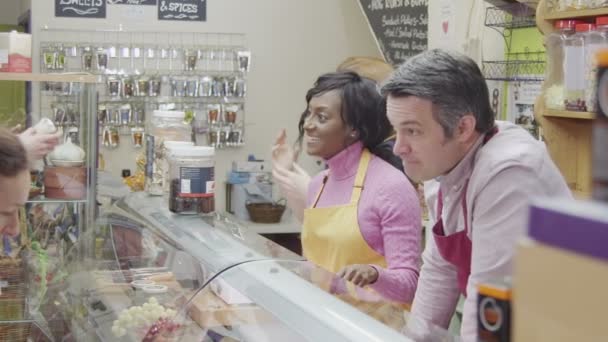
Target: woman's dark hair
363	109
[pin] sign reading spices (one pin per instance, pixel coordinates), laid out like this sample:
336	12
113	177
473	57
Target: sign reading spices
183	10
80	8
132	2
400	27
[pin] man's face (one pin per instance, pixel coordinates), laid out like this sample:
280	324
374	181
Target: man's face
421	143
14	192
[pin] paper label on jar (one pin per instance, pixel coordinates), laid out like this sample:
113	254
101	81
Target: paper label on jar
197	181
574	62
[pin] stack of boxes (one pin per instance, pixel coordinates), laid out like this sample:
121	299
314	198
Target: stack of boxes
561	273
15	52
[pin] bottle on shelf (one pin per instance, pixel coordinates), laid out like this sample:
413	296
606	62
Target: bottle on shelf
596	40
554	77
575	64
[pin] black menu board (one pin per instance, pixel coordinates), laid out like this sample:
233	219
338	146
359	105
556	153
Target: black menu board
184	10
400	27
80	8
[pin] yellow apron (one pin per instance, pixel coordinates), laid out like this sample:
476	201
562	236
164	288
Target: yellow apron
331	238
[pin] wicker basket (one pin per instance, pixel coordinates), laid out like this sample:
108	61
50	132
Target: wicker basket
266	212
12	298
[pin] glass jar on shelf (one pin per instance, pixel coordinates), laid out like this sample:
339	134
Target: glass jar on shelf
192	184
574	66
595	41
164	126
554	75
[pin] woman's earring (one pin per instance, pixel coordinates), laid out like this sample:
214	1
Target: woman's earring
353	134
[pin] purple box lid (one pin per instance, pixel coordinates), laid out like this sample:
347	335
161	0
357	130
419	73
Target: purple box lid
578	226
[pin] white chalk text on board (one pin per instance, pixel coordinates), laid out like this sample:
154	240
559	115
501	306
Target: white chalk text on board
400	27
132	2
184	10
80	8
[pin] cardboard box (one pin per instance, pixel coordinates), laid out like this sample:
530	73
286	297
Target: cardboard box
15	52
558	295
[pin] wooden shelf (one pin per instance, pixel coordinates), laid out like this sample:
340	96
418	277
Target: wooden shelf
581	195
569	115
577	14
59	77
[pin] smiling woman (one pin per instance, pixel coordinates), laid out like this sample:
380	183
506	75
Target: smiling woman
362	220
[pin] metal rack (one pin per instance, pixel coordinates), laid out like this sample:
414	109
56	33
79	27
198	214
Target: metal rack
165	56
525	67
511	16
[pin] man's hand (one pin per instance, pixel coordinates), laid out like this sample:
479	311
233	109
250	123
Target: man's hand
37	145
359	274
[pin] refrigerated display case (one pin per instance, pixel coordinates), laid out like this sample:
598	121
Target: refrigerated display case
156	276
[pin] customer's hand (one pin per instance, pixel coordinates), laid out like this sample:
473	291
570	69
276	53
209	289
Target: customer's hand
37	145
293	184
283	155
359	274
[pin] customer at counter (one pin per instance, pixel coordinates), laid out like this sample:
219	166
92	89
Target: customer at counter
14	182
480	175
363	216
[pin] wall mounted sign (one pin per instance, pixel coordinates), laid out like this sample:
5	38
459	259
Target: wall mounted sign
80	8
132	2
183	10
400	27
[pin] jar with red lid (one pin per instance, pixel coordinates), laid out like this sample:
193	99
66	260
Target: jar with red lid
575	64
554	72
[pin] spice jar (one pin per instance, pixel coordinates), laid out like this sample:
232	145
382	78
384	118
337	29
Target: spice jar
213	137
49	56
192	174
191	87
102	58
114	138
205	87
87	59
178	86
164	126
60	60
125	115
141	87
128	87
169	146
154	87
113	86
137	136
230	114
240	87
213	113
191	59
217	88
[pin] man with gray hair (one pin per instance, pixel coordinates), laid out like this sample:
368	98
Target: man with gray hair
479	177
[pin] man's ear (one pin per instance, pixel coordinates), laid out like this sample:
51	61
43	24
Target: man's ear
466	128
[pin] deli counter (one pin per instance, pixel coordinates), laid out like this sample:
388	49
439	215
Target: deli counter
146	274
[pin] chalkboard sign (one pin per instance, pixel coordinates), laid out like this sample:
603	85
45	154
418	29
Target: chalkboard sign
184	10
80	8
400	27
132	2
